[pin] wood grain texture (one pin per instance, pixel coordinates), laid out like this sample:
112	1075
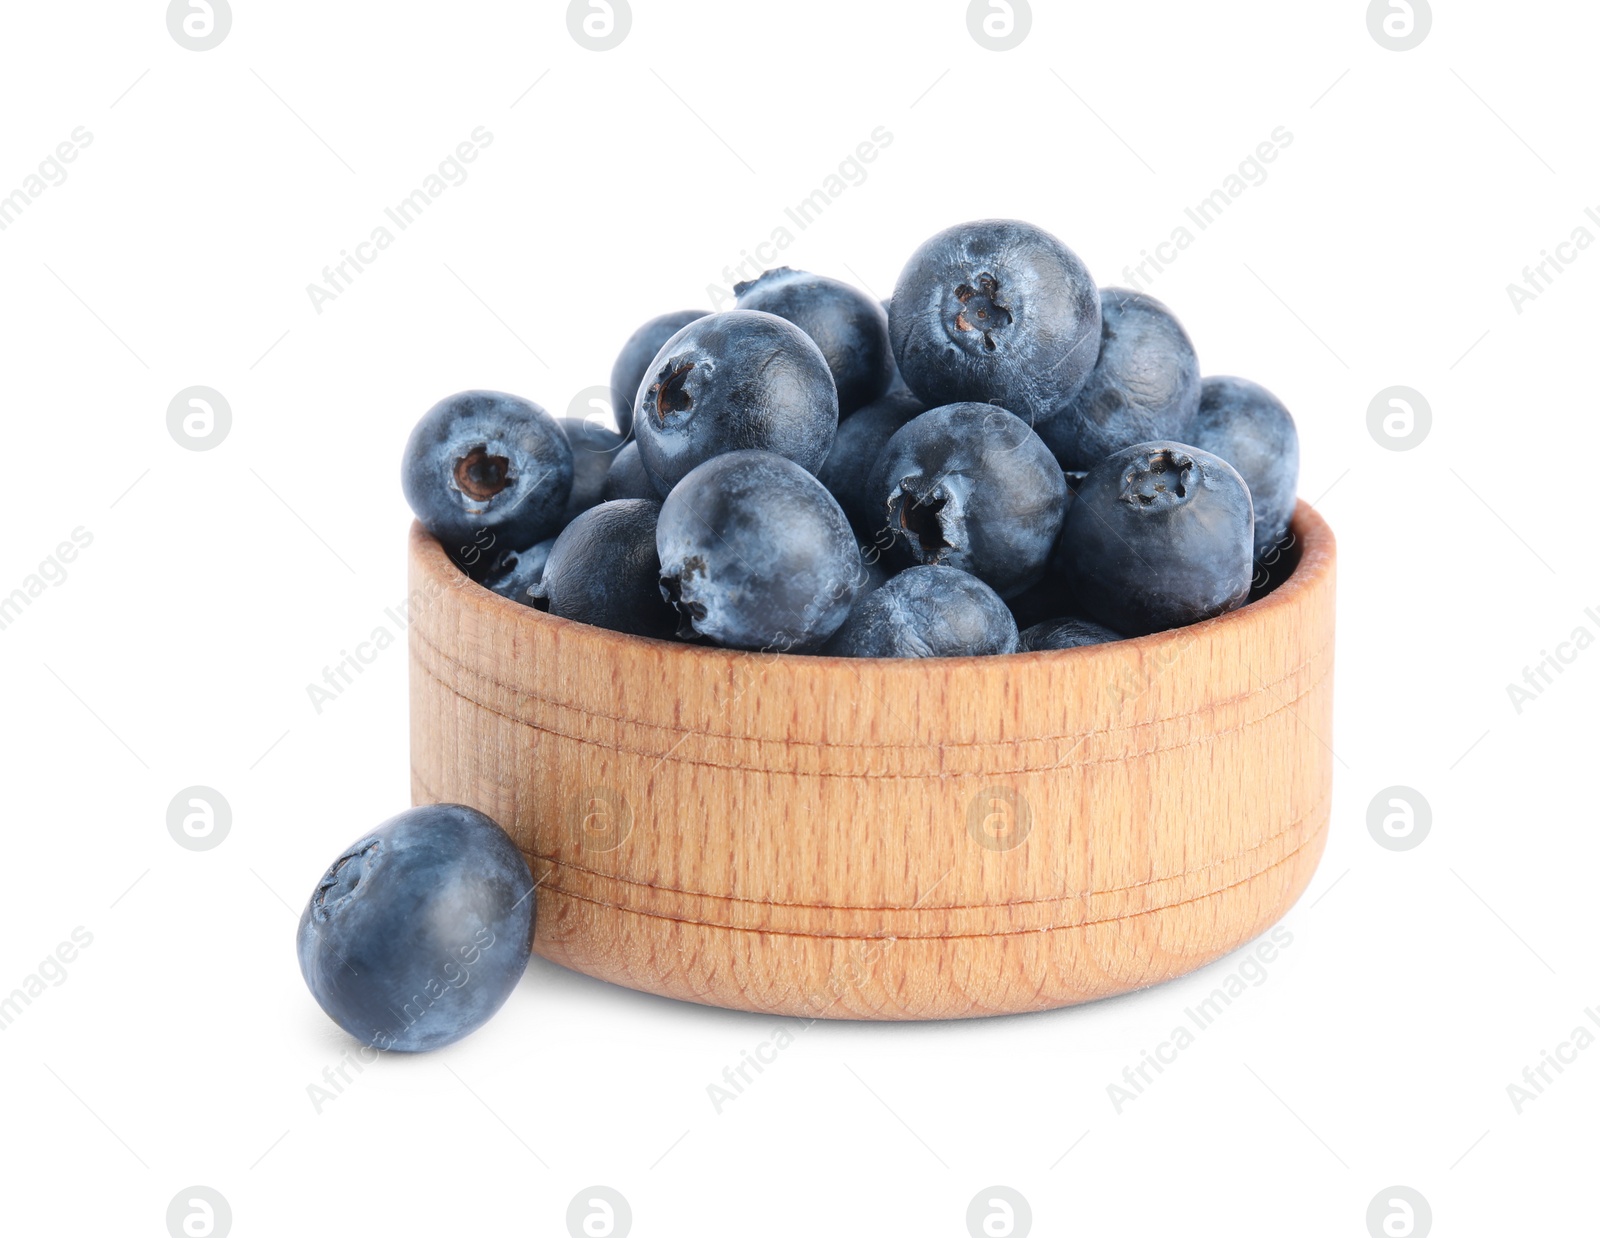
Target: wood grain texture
887	839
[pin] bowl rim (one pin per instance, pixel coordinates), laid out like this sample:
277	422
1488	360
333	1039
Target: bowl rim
1307	527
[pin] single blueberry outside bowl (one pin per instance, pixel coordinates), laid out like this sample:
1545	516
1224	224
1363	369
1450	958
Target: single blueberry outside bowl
419	930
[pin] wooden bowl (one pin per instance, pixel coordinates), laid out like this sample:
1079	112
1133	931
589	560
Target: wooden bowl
881	838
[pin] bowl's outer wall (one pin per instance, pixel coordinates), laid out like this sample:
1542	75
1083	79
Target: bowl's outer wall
887	839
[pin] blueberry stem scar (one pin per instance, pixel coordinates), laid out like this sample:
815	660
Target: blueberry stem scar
667	393
343	877
920	518
480	475
979	309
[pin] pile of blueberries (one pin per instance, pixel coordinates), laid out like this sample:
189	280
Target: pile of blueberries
1003	456
1001	446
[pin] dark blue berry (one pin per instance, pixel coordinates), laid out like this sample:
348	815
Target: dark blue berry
735	381
627	479
849	327
594	447
847	472
897	382
516	572
634	359
1046	599
995	311
419	931
755	554
926	612
877	572
1144	386
1160	535
603	571
1249	427
972	487
1066	634
485	471
1050	595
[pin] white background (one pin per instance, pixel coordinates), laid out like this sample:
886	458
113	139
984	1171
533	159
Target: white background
218	585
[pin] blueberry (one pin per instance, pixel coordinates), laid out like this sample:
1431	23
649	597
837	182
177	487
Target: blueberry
850	328
970	486
516	572
734	381
874	575
484	471
603	570
897	382
1050	595
419	931
875	572
1160	535
756	554
627	479
1274	567
926	612
995	311
593	450
847	471
1066	633
1144	386
634	359
1249	427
